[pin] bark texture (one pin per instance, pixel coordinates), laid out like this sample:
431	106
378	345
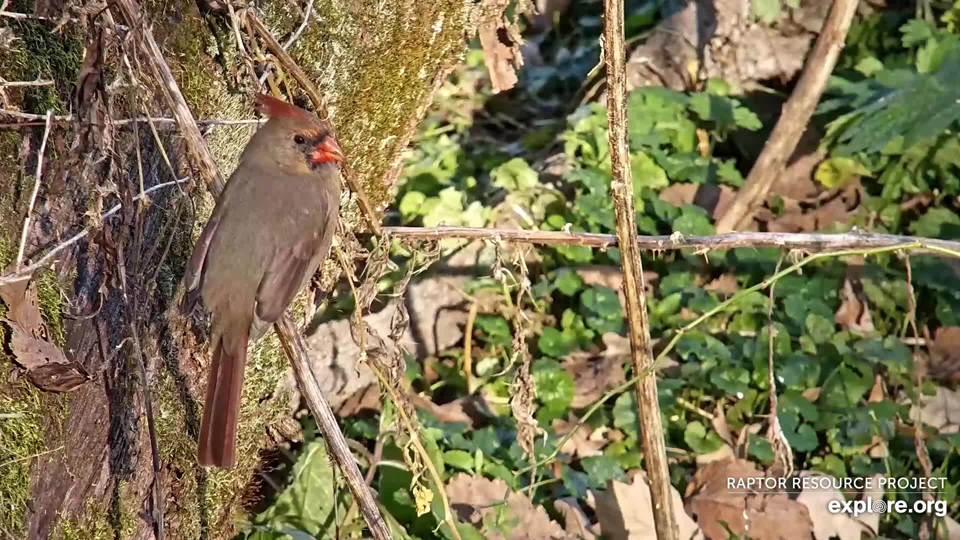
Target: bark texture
82	459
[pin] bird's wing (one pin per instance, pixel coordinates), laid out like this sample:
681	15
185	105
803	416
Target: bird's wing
285	274
196	266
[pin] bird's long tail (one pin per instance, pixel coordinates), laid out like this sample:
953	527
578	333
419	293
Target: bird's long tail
218	429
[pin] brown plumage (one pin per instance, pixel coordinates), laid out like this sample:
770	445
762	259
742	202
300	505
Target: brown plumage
269	232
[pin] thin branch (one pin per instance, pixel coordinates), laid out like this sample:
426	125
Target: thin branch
294	37
15	15
33	194
321	107
651	422
118	122
794	118
296	350
199	154
809	242
38	82
24	273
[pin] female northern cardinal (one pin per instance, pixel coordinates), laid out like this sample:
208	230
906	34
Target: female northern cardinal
270	230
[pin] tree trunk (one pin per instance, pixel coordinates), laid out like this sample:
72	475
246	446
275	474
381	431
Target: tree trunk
78	464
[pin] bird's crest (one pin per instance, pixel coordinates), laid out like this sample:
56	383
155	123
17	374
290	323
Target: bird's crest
274	108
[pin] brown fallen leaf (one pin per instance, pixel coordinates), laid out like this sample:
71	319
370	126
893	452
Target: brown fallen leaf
725	284
944	362
761	516
940	411
21	300
596	374
826	525
46	366
582	443
475	499
501	41
854	312
576	522
625	511
713	198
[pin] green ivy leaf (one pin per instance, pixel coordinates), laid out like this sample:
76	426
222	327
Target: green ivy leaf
699	440
602	469
554	384
495	328
554	343
567	281
766	11
514	175
459	459
839	171
937	223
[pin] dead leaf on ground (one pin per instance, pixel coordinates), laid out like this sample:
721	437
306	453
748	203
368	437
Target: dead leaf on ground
582	443
713	198
940	411
625	511
576	522
763	516
854	312
596	374
828	209
826	524
501	43
21	300
45	364
725	284
945	355
474	499
469	410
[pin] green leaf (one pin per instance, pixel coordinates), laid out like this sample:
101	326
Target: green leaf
846	385
937	223
760	448
704	347
411	203
495	328
733	380
766	11
793	402
801	437
459	459
693	222
916	32
514	175
602	469
625	414
838	171
307	504
567	281
554	385
699	440
554	343
646	173
890	352
820	328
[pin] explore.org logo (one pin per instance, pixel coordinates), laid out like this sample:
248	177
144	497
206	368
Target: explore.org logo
869	505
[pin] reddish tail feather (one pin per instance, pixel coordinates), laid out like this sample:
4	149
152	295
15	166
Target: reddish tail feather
218	429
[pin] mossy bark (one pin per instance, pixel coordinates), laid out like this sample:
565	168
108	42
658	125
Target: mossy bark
81	461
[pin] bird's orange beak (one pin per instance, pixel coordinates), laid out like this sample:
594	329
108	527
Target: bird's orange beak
327	151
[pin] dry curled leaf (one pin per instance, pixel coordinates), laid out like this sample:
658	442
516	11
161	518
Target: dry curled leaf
20	298
625	511
476	498
582	443
501	43
945	355
576	522
854	311
596	374
762	516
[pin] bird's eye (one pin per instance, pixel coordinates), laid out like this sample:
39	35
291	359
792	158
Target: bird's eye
299	139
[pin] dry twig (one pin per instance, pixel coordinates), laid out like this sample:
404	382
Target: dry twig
33	194
651	423
795	117
809	242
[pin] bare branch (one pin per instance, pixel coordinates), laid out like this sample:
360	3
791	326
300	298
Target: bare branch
809	242
38	82
24	273
795	117
33	194
14	15
203	161
296	350
294	37
651	422
119	122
